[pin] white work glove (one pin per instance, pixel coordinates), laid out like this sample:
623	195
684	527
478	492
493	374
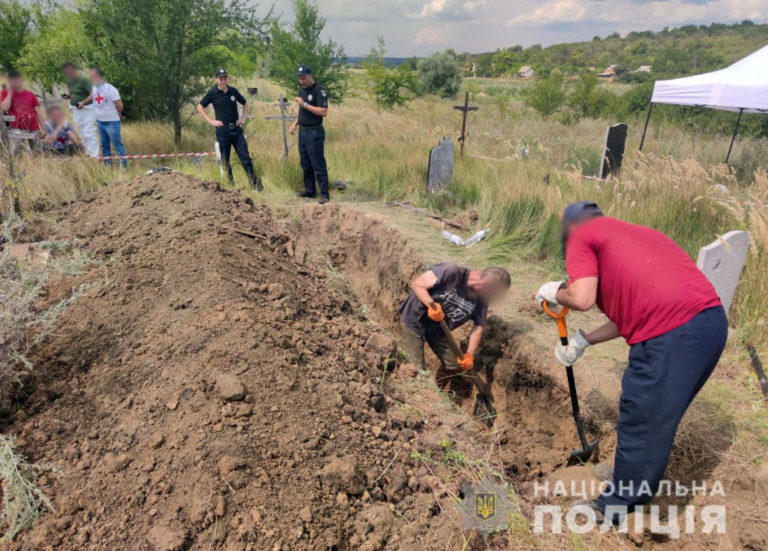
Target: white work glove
548	292
567	355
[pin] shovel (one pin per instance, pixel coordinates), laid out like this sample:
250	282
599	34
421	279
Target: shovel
587	449
483	405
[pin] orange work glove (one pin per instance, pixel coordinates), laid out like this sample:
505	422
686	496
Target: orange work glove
466	362
436	313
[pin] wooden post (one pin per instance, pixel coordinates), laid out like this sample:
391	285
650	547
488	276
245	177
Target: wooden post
282	102
464	110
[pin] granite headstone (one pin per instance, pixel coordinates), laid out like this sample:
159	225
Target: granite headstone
722	261
440	168
613	151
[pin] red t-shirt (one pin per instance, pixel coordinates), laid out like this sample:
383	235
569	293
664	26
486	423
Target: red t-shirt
23	108
647	284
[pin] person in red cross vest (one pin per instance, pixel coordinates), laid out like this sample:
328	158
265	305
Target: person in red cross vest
109	114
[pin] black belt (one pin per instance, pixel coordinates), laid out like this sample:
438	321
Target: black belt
311	125
230	125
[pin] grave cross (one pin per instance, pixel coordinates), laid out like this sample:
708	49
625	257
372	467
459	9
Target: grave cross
466	108
282	103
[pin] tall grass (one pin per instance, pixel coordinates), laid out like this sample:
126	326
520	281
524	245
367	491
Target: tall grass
678	185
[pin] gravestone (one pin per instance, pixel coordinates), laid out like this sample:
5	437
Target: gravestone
613	150
440	168
722	261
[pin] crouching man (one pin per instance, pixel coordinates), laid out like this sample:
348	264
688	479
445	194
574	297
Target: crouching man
668	312
459	295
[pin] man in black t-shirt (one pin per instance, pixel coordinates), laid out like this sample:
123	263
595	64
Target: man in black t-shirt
460	295
313	107
229	125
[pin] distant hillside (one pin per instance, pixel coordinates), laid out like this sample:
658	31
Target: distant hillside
684	50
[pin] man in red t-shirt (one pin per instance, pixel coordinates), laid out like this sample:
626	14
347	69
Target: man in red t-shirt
657	299
22	104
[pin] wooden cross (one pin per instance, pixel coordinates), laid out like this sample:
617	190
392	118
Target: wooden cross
282	103
466	108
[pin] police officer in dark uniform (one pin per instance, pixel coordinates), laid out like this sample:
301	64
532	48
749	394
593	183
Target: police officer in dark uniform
229	125
313	107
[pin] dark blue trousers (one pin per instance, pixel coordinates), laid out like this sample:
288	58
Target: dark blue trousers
312	155
233	137
663	376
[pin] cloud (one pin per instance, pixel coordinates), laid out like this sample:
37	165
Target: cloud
430	36
451	9
636	14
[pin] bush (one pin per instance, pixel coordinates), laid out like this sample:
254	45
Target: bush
388	85
547	94
440	75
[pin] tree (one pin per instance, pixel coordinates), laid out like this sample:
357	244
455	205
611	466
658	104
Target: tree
388	85
15	26
547	95
301	44
61	38
584	94
439	74
161	52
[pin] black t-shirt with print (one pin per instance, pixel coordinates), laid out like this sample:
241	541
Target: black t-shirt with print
452	293
314	95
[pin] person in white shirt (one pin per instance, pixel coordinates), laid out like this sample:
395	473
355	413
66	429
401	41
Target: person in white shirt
83	115
109	112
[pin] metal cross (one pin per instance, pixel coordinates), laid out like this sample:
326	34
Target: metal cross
466	108
282	103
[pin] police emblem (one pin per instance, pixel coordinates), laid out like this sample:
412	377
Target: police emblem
232	98
485	505
309	97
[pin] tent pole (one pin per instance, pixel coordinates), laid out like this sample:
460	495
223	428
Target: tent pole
733	138
645	129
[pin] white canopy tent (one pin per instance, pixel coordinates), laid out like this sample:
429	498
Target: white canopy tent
741	87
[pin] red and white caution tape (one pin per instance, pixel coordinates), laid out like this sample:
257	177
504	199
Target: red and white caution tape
154	156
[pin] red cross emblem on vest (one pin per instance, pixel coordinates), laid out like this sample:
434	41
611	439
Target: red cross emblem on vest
99	98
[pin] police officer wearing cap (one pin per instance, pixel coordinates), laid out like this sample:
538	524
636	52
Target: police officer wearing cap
229	125
313	107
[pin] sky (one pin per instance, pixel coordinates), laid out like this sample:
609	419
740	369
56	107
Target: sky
421	27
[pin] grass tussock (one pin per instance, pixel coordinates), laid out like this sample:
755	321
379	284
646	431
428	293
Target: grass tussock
23	501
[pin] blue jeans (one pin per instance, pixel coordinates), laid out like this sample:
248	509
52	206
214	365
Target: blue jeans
312	155
663	376
109	133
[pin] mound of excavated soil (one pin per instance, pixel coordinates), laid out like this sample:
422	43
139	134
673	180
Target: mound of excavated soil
209	390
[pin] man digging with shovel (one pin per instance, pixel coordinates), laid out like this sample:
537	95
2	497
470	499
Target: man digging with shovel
657	299
454	294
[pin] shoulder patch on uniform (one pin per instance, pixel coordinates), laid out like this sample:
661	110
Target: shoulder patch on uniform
322	92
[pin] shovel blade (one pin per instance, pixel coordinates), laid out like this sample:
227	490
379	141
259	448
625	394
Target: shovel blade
581	456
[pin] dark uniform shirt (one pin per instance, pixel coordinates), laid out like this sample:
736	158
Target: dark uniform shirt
314	95
224	103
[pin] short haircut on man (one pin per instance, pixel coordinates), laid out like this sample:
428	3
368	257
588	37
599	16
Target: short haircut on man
68	64
500	274
98	71
13	73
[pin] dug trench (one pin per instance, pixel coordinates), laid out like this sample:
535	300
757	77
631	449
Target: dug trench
533	433
224	381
